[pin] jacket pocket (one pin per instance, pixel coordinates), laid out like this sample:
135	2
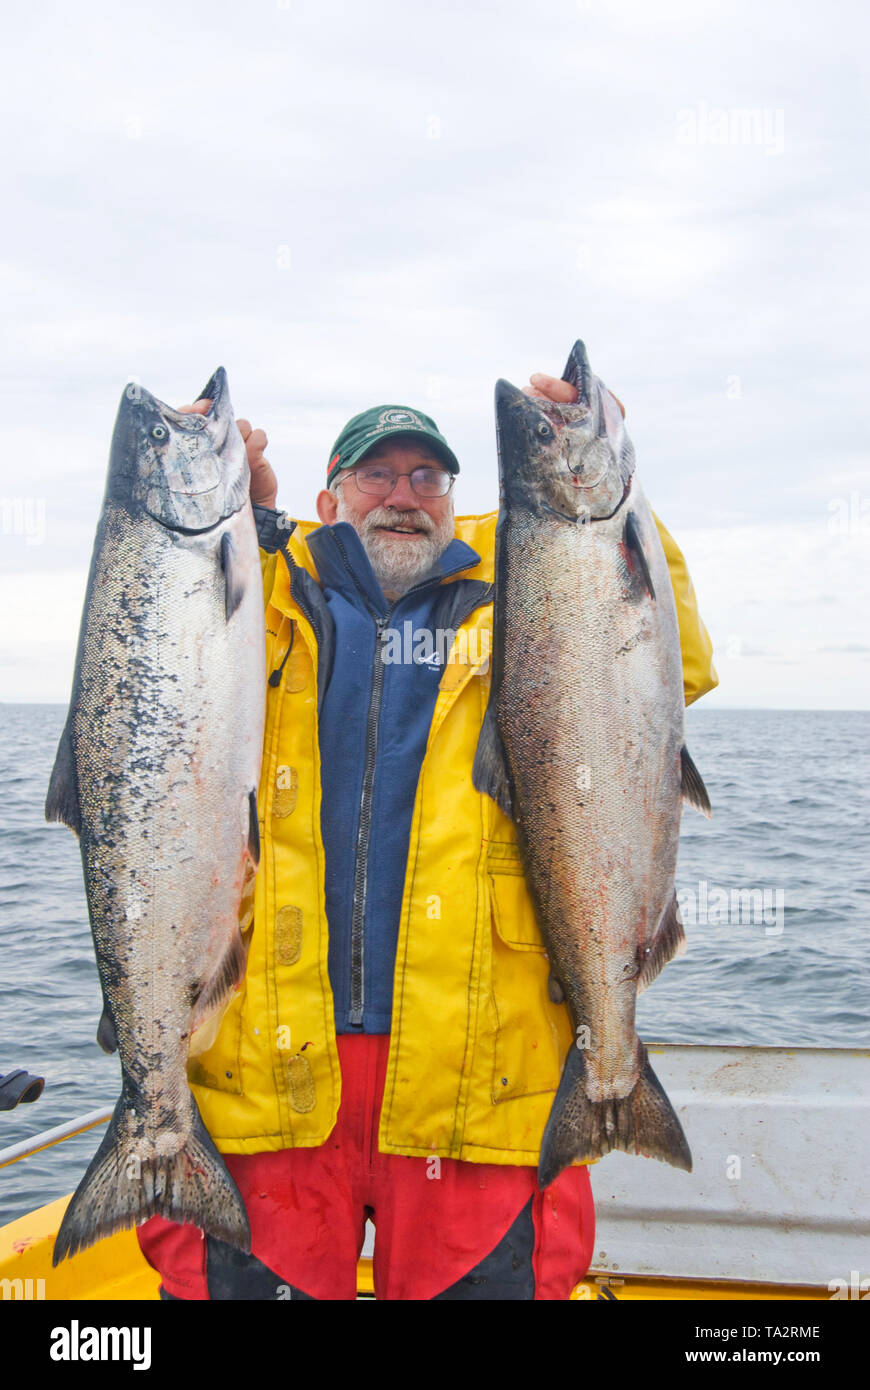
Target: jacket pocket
532	1035
512	912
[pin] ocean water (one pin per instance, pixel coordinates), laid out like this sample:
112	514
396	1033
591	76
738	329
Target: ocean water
775	893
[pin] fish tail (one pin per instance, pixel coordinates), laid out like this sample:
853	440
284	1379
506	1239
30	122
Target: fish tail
579	1128
121	1189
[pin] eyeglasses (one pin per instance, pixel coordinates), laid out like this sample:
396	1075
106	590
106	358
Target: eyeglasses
378	480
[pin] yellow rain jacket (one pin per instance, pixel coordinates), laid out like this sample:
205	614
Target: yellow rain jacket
476	1047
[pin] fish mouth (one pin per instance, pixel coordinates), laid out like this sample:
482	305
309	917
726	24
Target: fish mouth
187	471
511	402
185	530
215	423
579	373
215	390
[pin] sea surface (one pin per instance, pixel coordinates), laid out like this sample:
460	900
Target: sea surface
774	890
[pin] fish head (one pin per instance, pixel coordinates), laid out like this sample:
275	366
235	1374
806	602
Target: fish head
187	471
573	460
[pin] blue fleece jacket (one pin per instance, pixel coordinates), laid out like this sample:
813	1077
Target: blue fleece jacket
374	723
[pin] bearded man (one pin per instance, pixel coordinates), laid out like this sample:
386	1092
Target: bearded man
394	1050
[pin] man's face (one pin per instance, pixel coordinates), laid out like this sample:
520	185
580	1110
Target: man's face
402	534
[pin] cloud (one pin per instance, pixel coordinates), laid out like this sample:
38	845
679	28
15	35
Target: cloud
763	593
846	647
347	205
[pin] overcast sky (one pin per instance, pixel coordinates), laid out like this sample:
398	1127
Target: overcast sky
350	205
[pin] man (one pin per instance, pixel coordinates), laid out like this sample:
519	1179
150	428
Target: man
394	1051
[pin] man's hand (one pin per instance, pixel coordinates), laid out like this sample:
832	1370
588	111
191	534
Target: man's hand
553	388
264	484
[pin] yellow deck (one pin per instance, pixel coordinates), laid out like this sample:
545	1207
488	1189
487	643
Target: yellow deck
115	1269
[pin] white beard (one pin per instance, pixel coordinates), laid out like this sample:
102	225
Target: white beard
398	565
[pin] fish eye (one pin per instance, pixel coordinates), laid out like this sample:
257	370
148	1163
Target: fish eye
159	432
543	430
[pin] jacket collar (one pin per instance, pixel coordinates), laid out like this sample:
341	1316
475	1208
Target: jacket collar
343	565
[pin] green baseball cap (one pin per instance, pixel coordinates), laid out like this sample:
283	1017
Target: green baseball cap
364	431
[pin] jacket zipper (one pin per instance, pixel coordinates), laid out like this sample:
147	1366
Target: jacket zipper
360	872
357	926
357	977
360	868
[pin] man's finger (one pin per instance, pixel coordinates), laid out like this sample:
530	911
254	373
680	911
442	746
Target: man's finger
255	441
200	407
553	388
244	428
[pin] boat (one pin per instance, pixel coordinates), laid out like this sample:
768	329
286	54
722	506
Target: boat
775	1208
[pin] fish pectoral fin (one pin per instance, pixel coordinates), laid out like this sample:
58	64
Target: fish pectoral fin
490	772
692	785
62	801
233	581
107	1035
253	827
555	992
634	546
669	941
223	983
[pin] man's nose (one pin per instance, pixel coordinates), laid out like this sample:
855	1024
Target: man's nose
403	494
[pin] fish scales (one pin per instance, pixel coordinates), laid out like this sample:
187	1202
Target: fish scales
583	746
157	771
156	695
600	879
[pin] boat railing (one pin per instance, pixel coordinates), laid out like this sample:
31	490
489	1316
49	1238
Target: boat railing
48	1137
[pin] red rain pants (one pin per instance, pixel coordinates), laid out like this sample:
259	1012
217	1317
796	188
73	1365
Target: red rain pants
458	1231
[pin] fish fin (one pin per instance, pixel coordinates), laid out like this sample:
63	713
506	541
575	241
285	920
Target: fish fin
693	789
222	983
490	774
62	801
642	1122
634	545
233	581
669	941
555	991
107	1035
253	827
122	1189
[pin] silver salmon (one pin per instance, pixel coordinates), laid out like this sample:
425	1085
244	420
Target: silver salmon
157	772
582	744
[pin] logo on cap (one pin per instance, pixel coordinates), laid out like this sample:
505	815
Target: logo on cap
397	418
